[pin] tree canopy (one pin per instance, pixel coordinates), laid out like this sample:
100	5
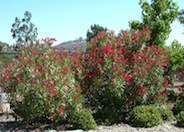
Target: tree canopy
176	52
94	31
181	16
158	15
23	30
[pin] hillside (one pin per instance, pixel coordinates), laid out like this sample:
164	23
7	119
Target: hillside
5	47
70	45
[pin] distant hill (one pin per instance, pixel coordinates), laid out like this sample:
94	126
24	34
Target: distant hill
5	47
70	45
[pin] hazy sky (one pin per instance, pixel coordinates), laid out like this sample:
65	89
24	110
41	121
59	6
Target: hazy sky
70	19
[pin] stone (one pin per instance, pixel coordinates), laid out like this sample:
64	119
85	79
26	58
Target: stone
5	107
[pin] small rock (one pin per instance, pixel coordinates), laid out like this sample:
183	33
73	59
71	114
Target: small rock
78	130
50	131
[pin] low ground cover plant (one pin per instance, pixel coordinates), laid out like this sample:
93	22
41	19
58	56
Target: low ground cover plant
145	116
180	119
82	119
178	106
166	114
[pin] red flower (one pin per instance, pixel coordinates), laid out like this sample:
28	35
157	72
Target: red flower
52	116
18	79
38	67
75	97
108	50
47	83
35	72
34	81
166	84
34	52
153	47
89	75
135	68
79	88
142	87
129	78
52	91
165	94
127	101
66	68
60	110
65	54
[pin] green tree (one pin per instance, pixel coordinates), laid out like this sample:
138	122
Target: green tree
176	59
23	30
158	15
176	52
95	29
181	16
1	47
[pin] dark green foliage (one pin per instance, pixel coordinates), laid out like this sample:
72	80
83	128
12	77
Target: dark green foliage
181	16
24	31
166	114
144	116
176	54
176	58
6	58
135	25
1	47
107	116
82	119
159	15
95	29
178	106
180	119
172	95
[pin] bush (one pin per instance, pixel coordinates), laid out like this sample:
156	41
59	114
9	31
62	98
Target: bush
82	119
107	116
144	116
180	119
121	72
166	114
44	81
178	106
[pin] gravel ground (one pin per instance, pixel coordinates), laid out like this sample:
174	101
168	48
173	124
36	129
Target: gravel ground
8	124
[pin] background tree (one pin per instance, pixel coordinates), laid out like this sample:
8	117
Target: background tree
24	31
176	52
135	25
159	15
94	31
181	16
176	59
1	47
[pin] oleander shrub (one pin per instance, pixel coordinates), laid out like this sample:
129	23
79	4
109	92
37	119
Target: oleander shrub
180	119
166	114
144	116
122	72
41	83
82	119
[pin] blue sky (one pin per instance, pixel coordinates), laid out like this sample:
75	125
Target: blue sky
70	19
